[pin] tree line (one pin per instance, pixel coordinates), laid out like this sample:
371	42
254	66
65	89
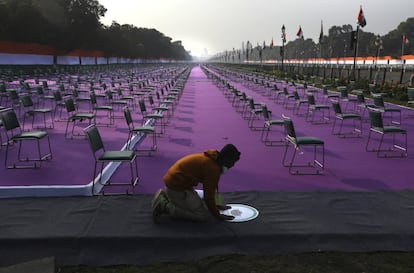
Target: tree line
75	24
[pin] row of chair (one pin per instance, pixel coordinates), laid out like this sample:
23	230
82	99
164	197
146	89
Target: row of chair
294	102
9	121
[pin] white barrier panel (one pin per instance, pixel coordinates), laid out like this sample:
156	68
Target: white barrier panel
70	60
113	60
25	59
88	60
101	60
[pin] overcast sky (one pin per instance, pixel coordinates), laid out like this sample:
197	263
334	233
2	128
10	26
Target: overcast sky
213	26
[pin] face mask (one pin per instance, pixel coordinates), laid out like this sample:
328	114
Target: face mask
224	169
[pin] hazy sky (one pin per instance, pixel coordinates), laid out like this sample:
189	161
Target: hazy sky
213	26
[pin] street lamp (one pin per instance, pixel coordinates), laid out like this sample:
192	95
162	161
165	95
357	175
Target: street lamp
282	49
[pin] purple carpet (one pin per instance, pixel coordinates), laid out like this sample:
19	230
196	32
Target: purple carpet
360	203
205	119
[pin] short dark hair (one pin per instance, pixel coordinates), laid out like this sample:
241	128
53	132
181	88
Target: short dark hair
229	151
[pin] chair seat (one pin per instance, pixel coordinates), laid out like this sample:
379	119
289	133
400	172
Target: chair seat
167	102
274	122
41	110
308	141
103	107
161	108
332	96
122	102
389	129
319	106
390	110
257	111
30	135
154	115
144	129
78	116
125	155
349	116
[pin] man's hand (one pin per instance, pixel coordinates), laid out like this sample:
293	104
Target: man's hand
223	207
226	217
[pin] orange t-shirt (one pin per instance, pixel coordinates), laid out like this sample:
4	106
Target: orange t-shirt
190	170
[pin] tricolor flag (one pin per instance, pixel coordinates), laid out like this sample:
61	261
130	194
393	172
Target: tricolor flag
405	39
378	42
321	34
300	33
361	18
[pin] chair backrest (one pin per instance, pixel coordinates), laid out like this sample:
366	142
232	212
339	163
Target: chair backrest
410	93
9	119
40	91
27	101
93	98
265	112
344	91
70	105
379	101
3	88
336	107
14	95
58	96
151	99
142	106
289	127
296	95
360	98
376	119
128	117
372	88
94	139
251	103
109	95
325	90
311	99
75	93
26	86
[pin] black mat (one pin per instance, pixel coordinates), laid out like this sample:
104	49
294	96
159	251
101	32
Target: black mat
109	230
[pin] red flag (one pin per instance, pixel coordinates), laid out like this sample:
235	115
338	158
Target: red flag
361	18
300	33
378	42
405	39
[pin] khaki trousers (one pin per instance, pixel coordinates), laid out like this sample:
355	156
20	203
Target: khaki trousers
187	205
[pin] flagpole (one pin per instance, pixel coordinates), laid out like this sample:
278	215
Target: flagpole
355	52
402	54
283	45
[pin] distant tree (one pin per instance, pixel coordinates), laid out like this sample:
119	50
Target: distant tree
392	42
81	25
75	24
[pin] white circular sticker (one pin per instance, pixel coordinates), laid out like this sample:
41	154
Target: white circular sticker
241	213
